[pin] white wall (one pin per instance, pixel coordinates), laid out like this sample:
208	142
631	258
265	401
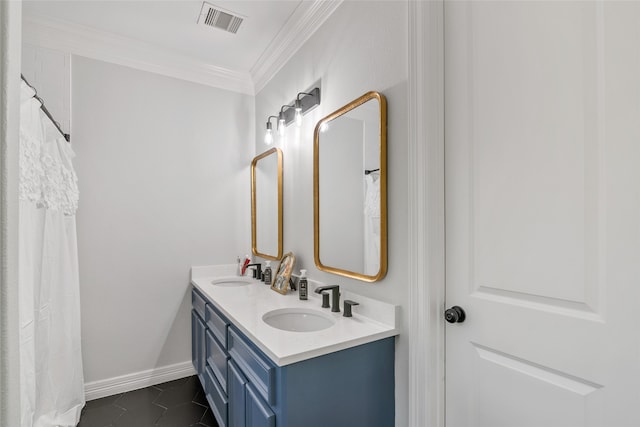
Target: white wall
10	39
361	47
163	169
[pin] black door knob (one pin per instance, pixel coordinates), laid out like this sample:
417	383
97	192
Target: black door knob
454	315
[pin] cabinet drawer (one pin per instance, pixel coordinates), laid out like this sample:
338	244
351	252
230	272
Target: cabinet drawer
198	302
258	413
198	350
217	360
218	325
259	370
217	398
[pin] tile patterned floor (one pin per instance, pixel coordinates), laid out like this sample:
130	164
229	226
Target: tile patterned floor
179	403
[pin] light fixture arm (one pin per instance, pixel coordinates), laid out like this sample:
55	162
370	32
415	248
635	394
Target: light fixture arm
285	108
269	126
303	93
305	101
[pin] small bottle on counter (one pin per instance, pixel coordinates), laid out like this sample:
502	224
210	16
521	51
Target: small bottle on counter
266	276
302	285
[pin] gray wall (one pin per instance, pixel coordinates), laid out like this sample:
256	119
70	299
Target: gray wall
361	47
163	170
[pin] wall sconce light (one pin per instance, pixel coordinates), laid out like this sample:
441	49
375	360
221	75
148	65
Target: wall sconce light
282	120
268	136
304	102
298	108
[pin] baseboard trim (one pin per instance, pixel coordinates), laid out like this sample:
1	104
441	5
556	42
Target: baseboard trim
137	380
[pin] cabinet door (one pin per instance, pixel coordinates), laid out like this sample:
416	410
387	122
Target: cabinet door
198	348
237	385
258	413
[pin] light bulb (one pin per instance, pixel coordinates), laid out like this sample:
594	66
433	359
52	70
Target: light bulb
268	137
298	116
281	126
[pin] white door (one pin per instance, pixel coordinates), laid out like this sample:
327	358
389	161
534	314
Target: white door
542	137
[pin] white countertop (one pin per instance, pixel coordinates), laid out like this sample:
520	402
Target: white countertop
244	306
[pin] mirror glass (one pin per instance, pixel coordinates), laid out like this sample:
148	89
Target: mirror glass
266	204
350	189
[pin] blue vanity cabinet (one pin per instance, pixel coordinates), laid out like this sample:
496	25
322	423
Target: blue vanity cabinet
197	344
237	395
216	383
246	407
354	387
198	350
258	413
347	388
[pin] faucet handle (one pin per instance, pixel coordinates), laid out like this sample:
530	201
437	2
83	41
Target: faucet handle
325	299
347	307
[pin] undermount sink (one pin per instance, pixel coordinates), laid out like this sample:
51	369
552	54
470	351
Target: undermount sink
298	320
232	282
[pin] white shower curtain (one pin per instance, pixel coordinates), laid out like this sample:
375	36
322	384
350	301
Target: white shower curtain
52	384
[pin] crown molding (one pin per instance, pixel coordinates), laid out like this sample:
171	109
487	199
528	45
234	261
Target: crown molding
301	25
91	43
105	46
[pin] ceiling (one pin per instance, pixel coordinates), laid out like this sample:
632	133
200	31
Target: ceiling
171	27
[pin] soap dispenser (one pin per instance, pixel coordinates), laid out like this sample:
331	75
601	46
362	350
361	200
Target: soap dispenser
267	273
302	285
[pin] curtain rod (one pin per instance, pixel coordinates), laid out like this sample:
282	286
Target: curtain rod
44	109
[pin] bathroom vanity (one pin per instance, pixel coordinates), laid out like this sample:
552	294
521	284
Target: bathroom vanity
255	374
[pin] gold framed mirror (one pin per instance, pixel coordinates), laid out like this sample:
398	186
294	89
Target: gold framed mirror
350	189
283	274
266	204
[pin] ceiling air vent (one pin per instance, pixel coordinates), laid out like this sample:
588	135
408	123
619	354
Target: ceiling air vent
216	17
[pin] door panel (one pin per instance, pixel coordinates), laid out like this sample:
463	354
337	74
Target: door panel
542	125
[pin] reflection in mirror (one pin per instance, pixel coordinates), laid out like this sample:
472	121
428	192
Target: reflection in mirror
266	204
350	189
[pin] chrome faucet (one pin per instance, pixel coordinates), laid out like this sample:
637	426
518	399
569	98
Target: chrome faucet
335	295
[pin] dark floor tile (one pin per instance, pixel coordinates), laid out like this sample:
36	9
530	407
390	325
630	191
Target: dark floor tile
194	383
138	398
100	416
146	407
182	415
171	384
179	394
143	415
201	399
109	400
208	419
